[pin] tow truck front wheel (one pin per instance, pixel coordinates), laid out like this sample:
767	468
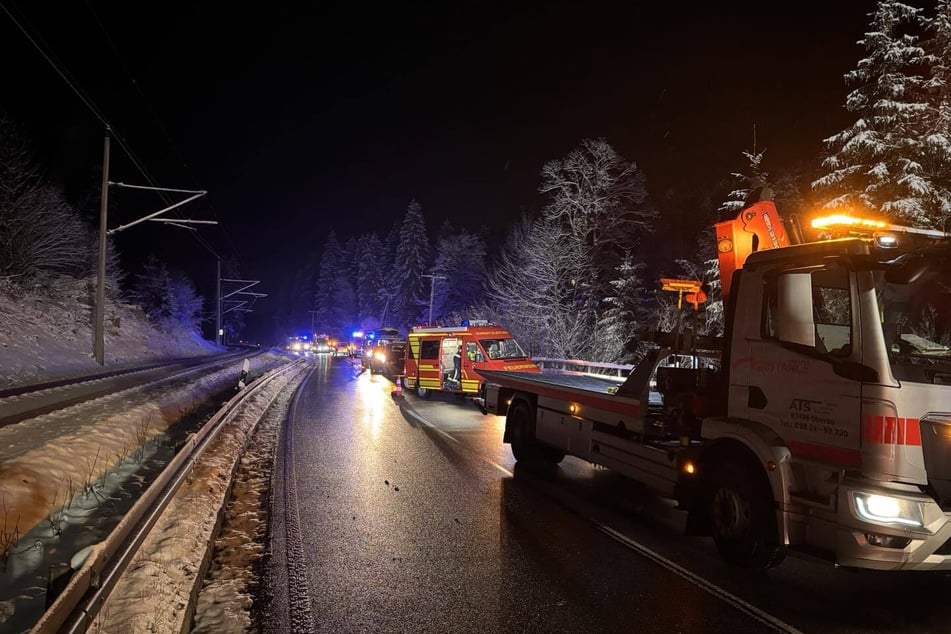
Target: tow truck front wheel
742	518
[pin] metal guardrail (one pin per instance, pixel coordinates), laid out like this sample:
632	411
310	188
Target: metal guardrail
102	564
577	366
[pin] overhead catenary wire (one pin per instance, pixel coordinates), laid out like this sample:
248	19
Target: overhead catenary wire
61	70
86	100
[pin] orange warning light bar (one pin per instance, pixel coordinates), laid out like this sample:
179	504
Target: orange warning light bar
852	222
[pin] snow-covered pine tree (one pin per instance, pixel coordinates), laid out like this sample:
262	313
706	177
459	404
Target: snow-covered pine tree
876	163
620	324
411	289
330	261
370	287
184	304
344	297
149	289
460	260
937	142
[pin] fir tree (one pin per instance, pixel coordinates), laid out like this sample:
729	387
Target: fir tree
343	297
745	184
460	261
369	286
936	145
619	325
410	288
330	264
183	303
876	164
149	289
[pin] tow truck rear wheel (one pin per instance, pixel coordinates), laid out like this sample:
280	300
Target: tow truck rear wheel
742	518
524	446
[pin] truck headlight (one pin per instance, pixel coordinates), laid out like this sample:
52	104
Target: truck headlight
886	509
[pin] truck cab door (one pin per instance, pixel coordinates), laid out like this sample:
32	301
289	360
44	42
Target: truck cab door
796	348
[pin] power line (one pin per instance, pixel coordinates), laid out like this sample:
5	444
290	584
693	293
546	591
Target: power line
61	70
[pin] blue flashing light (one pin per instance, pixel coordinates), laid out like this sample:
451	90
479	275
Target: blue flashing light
357	334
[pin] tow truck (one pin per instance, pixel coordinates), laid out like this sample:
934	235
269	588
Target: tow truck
819	423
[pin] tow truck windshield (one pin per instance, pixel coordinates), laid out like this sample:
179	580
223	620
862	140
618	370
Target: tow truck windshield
915	298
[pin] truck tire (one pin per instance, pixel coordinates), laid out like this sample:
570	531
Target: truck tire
524	446
742	518
423	392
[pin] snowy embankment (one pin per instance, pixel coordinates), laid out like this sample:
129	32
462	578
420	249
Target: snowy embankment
46	333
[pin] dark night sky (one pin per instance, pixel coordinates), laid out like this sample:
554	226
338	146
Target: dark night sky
299	120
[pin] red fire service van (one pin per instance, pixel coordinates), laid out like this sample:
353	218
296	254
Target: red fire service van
448	358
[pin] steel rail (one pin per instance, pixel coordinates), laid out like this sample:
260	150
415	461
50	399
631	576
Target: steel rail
23	410
29	388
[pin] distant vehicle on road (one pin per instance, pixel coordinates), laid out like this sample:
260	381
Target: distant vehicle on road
384	352
343	349
322	345
386	357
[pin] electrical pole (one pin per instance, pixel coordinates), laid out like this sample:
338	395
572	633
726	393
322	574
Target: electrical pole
104	233
99	345
432	291
218	331
313	313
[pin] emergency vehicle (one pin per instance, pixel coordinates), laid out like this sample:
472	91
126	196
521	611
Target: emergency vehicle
383	351
448	358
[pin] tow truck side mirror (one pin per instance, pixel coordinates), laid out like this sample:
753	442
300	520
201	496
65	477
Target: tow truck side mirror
906	269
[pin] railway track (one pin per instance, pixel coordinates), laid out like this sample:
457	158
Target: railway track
63	485
29	401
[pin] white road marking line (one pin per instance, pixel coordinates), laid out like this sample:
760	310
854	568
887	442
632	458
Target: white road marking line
703	584
708	586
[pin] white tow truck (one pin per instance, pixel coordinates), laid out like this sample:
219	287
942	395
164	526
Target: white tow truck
820	422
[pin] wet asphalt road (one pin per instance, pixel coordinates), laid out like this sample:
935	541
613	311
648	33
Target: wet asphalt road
418	520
